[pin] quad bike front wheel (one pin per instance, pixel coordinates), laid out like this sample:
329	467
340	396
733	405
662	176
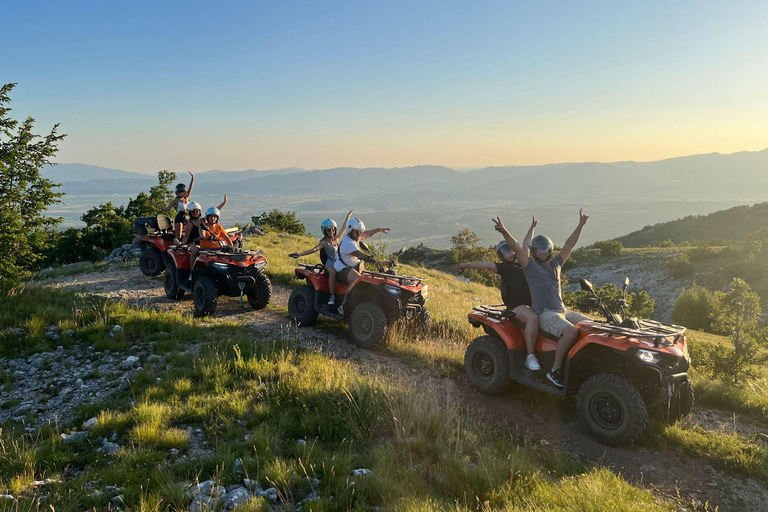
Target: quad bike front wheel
301	305
487	365
612	409
205	295
261	292
368	324
151	262
172	290
681	403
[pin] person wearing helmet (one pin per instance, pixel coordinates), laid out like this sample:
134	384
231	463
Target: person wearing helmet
179	203
328	246
194	227
514	291
349	257
542	270
211	235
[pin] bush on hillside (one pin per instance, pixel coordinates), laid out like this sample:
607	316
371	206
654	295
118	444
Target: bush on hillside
279	222
609	247
466	248
696	308
639	303
681	267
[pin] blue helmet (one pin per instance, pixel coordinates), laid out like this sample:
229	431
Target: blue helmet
213	211
328	223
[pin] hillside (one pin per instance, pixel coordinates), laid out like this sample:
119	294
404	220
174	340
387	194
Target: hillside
731	224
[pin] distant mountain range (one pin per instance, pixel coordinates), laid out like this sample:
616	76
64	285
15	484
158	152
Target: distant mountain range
433	202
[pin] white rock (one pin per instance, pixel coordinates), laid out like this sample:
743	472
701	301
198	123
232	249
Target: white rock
236	498
117	328
74	436
270	494
362	472
218	491
301	442
91	423
129	363
251	485
201	488
203	503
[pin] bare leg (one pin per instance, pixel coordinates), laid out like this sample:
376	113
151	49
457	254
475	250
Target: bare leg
564	345
332	281
178	228
531	320
353	276
193	256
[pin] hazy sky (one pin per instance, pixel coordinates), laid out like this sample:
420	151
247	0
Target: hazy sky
233	85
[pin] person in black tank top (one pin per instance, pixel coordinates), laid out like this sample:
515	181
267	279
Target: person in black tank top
514	292
194	227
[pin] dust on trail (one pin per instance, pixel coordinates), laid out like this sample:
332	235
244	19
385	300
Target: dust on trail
552	422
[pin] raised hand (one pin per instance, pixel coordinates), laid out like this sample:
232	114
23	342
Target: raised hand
534	222
293	255
190	173
582	218
498	225
384	230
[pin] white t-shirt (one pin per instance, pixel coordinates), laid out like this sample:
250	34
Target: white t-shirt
346	247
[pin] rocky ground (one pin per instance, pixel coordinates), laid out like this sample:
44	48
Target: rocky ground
53	384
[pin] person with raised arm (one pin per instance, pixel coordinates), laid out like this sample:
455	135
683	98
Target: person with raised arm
180	203
542	270
328	247
514	291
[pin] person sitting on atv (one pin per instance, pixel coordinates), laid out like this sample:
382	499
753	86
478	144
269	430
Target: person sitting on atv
349	257
180	202
542	271
194	227
514	291
328	245
211	235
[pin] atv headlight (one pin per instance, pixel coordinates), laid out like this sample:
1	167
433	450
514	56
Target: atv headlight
425	291
394	290
648	356
220	266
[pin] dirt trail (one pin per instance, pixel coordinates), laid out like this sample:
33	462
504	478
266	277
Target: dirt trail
665	473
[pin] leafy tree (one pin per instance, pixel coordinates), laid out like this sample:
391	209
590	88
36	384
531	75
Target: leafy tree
161	194
465	248
107	228
739	313
696	308
639	303
280	222
24	194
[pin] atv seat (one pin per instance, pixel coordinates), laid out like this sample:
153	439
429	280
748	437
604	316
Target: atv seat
501	312
164	223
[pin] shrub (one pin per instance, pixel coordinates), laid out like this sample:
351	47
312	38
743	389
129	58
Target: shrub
465	248
609	247
639	303
696	308
280	222
680	267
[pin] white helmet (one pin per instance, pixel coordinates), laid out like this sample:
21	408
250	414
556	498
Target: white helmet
194	206
355	224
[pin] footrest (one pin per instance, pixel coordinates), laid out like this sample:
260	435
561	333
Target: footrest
328	310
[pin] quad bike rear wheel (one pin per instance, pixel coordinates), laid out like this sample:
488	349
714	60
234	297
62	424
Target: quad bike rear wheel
612	409
205	295
261	293
151	262
301	305
368	324
172	290
487	365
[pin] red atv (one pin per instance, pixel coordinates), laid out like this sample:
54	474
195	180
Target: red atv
619	369
156	237
229	271
376	301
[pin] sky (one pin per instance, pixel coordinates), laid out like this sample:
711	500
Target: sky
191	85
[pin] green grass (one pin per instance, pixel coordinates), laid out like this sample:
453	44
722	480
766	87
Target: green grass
73	270
426	452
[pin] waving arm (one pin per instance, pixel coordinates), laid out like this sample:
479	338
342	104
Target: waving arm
343	229
191	184
522	254
222	205
477	265
371	232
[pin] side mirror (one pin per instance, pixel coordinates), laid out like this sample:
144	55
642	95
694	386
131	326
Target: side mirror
586	286
401	251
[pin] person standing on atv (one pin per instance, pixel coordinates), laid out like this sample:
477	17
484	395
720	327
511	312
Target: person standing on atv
180	203
349	260
328	246
514	291
542	270
211	235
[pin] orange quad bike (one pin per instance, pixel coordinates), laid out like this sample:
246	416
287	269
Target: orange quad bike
229	271
156	237
376	302
620	369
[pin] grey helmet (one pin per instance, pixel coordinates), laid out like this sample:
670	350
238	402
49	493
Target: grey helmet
501	246
542	248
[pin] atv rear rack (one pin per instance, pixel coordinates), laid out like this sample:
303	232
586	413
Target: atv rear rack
498	312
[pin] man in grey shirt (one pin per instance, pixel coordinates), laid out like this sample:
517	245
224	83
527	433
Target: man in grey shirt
542	271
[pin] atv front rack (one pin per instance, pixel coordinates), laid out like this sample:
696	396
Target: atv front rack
650	329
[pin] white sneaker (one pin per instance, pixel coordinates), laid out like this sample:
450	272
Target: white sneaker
332	300
532	363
